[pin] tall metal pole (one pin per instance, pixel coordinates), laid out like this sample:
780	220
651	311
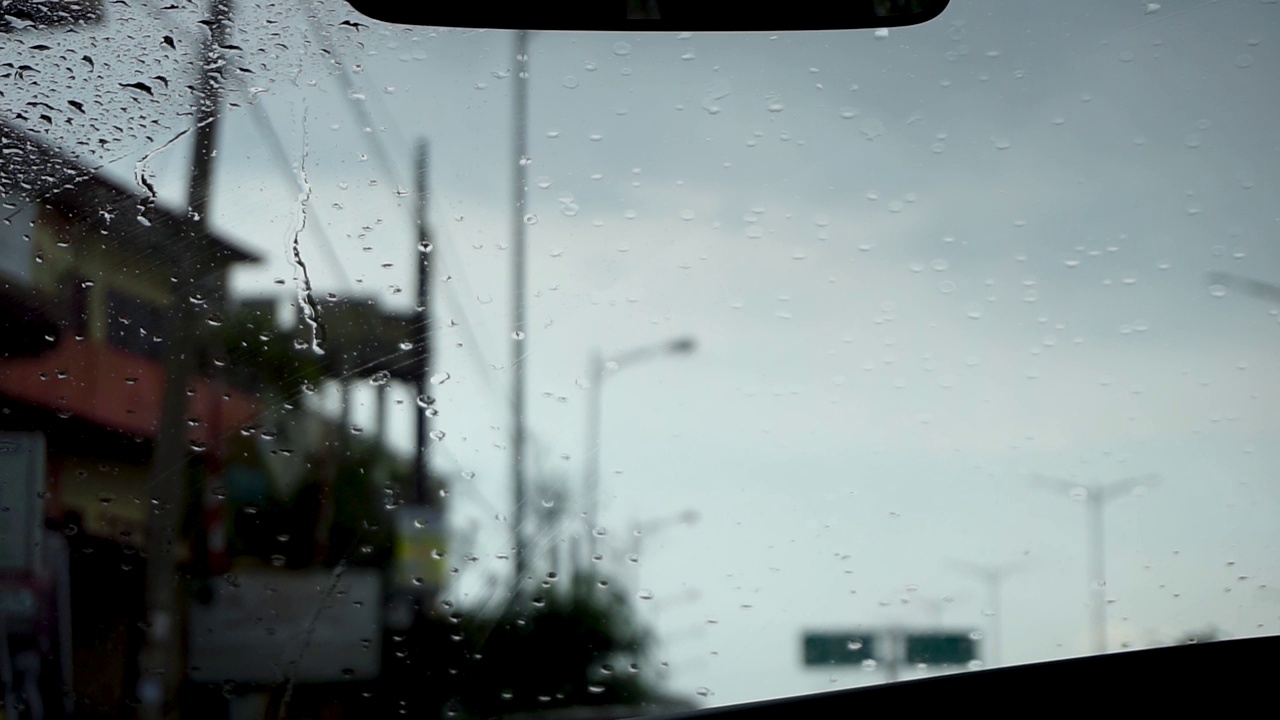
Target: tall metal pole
169	462
519	333
893	657
996	654
592	460
422	339
1097	570
591	469
380	411
1096	498
992	578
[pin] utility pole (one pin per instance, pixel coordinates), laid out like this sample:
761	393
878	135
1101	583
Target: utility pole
992	578
1096	497
591	475
519	334
422	340
159	669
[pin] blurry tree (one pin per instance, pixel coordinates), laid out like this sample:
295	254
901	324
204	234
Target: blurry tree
263	359
367	486
1209	634
579	645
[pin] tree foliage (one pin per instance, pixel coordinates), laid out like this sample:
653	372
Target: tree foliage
557	648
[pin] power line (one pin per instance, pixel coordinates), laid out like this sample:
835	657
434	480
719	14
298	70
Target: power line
267	129
362	111
384	158
366	116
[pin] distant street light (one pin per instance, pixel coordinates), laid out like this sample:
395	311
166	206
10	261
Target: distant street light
936	607
687	517
992	577
1096	497
599	365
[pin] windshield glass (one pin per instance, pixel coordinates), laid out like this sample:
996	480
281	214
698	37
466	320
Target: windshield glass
365	369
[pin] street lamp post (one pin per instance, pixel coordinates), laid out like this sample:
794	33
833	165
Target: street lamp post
1096	497
992	578
688	517
599	366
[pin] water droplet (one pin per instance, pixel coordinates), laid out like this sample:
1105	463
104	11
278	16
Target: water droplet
871	128
440	378
645	595
621	49
381	377
517	335
703	692
939	265
1244	60
570	82
437	435
1217	291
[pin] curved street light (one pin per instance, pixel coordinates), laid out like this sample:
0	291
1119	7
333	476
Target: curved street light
601	365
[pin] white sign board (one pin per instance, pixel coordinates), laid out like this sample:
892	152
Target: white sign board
272	626
22	482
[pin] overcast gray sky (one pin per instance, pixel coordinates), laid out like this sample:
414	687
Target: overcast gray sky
920	268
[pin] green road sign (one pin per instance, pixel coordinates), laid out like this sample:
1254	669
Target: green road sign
941	649
837	649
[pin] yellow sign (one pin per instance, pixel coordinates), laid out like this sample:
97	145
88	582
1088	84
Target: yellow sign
420	543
